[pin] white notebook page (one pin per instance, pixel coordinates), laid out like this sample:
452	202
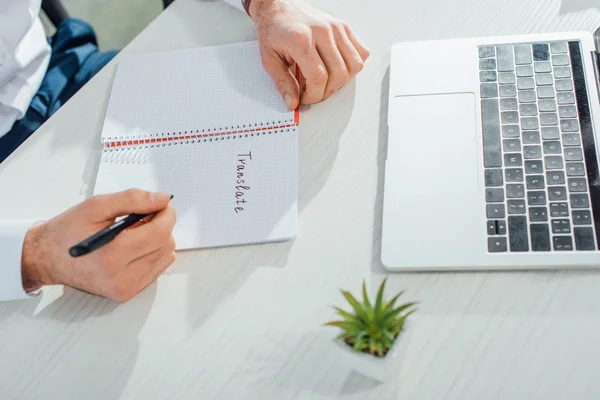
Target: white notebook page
206	88
229	189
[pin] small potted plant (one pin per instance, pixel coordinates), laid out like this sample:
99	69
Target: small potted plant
371	332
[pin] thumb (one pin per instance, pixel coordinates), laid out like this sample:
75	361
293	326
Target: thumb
132	201
284	79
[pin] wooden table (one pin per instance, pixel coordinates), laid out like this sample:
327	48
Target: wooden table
246	322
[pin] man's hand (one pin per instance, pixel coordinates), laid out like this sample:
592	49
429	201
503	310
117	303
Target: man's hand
118	270
328	53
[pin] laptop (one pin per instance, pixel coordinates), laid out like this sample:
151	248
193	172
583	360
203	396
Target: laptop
492	159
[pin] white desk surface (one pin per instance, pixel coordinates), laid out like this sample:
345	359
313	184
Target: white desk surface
245	323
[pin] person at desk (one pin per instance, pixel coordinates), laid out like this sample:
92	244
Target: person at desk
37	76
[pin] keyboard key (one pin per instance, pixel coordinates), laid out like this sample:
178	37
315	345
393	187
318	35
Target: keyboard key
562	72
584	238
580	200
555	178
532	152
531	137
516	207
496	227
508	104
544	79
558	210
573	154
562	243
538	214
569	125
506	58
530	123
487	64
494	195
517	233
495	211
557	48
533	166
554	162
525	83
514	175
560	60
535	181
494	178
582	217
509	117
497	244
488	76
541	67
550	132
577	185
511	145
492	153
515	191
571	139
524	70
528	109
487	51
510	131
557	193
552	147
549	118
567	112
506	78
489	90
541	52
536	198
575	169
540	237
508	91
564	85
527	96
561	226
547	105
545	92
513	160
566	98
523	54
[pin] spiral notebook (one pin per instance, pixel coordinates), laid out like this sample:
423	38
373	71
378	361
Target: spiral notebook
208	126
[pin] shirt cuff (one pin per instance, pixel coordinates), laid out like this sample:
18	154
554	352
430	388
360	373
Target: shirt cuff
12	236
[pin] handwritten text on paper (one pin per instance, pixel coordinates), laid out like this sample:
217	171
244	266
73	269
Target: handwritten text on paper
241	188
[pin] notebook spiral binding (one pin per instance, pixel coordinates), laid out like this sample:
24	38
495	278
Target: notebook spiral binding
129	149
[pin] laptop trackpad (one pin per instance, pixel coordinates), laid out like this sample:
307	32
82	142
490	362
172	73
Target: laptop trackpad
433	142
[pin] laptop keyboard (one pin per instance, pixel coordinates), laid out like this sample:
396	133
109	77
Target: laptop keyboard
536	180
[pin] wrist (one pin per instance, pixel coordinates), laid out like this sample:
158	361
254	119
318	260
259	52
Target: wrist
33	272
256	8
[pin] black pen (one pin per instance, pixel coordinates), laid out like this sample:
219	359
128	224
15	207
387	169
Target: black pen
106	235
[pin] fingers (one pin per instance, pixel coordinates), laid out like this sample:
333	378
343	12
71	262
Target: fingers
357	43
329	56
308	59
284	79
149	236
142	272
352	58
132	201
337	70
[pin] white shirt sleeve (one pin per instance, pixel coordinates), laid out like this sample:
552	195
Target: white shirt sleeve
236	4
12	235
24	57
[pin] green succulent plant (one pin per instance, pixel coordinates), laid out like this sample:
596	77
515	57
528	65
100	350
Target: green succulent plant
372	328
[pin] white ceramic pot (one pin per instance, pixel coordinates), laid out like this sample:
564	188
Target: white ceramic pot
382	369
